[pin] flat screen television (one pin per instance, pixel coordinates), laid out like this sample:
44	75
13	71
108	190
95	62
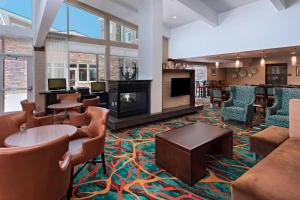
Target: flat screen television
57	84
98	86
180	86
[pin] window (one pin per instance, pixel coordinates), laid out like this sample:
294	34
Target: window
84	69
82	72
60	24
16	13
118	62
93	72
122	33
81	22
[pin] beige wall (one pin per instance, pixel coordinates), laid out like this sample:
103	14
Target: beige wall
259	78
165	49
220	75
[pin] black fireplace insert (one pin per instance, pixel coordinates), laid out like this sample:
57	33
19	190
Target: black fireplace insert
129	98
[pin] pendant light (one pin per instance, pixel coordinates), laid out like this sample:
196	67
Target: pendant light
294	58
237	63
263	61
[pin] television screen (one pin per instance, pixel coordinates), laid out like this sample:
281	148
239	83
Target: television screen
98	86
180	86
57	84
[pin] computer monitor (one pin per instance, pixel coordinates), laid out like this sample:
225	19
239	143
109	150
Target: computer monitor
98	86
57	84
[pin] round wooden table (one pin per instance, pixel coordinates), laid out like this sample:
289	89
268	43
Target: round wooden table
39	135
64	106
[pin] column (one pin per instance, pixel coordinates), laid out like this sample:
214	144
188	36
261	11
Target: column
150	48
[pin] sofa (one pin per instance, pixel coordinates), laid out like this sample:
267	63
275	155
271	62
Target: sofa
277	176
240	104
278	114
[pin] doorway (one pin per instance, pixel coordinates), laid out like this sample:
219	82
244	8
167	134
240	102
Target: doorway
15	81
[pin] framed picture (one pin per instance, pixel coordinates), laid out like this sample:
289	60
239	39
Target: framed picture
213	71
298	71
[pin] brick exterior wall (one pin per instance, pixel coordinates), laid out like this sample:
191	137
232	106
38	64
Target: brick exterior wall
18	46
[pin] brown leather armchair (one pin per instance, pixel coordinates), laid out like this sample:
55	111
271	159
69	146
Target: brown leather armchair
77	119
69	97
10	124
37	172
32	119
73	97
90	102
88	142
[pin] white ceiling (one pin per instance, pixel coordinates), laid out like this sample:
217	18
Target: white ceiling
225	5
127	9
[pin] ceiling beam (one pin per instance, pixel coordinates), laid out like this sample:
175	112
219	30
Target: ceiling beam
279	4
206	13
44	15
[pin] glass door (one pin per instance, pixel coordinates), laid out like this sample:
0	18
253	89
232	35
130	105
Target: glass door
14	82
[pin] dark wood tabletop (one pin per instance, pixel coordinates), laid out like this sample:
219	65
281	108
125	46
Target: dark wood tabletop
199	134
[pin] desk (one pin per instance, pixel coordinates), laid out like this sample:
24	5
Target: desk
39	135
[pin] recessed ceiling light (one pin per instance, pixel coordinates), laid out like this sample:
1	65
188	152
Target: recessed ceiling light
174	17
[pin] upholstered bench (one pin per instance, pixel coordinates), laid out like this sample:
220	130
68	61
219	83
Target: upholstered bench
264	142
276	177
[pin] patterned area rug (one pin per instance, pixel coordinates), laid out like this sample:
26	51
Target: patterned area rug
130	158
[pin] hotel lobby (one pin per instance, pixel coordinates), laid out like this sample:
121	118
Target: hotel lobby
150	99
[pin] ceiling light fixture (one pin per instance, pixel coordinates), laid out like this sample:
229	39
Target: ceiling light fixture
217	64
294	58
174	17
263	61
237	62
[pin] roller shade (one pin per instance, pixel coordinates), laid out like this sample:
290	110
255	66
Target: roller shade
117	51
86	48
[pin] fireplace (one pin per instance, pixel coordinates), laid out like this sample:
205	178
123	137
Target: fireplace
128	98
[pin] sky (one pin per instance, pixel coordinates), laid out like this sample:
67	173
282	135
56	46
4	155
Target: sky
80	20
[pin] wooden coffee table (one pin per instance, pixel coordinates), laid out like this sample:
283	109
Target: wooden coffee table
182	151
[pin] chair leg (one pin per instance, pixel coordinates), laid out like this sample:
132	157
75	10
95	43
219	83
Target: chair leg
103	162
69	193
254	156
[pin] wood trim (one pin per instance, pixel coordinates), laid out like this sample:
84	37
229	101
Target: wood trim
103	14
39	48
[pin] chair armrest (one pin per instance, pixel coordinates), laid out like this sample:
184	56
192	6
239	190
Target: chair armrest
272	110
46	120
228	103
78	119
94	146
40	114
65	162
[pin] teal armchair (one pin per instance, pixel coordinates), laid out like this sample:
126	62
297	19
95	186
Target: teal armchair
240	104
278	114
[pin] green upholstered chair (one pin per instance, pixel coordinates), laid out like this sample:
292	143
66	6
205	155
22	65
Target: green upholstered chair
278	114
240	104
